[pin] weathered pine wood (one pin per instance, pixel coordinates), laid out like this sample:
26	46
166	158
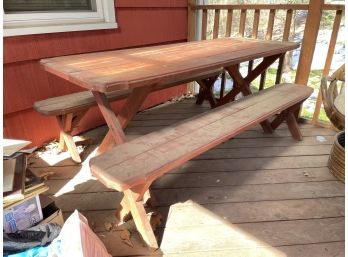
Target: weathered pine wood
133	132
65	123
81	101
140	218
184	58
209	179
286	32
173	146
242	23
309	41
66	140
249	193
216	23
269	6
254	34
236	213
262	6
110	118
306	214
191	20
229	22
128	111
329	56
210	195
204	24
269	34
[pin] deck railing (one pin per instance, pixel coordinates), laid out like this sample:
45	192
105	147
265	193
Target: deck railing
198	24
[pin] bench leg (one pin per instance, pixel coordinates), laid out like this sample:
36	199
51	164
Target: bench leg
289	116
140	218
132	204
293	127
66	140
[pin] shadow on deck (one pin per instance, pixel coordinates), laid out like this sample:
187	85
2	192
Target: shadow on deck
255	195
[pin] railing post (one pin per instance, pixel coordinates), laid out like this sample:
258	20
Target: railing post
191	20
329	56
309	41
191	33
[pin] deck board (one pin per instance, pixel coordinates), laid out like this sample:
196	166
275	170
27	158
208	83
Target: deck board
255	195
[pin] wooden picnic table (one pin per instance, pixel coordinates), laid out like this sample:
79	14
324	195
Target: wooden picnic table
140	69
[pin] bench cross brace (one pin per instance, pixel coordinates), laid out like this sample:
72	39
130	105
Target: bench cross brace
288	115
67	123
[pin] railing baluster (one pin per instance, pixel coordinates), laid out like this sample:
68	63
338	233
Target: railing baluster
242	22
270	24
330	52
268	37
204	24
256	23
254	34
216	23
286	33
229	23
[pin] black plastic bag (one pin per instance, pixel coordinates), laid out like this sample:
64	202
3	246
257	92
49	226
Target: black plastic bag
22	240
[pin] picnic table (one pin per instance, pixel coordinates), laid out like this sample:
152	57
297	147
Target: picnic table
141	69
131	167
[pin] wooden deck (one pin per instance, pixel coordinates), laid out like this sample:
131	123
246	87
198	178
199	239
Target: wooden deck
256	195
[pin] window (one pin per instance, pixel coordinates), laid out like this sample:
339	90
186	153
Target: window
23	17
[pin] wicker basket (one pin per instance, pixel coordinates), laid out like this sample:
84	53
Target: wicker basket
336	159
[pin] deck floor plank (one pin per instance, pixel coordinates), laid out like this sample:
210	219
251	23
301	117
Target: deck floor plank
255	195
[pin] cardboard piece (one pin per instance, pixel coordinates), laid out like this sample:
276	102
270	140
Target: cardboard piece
23	215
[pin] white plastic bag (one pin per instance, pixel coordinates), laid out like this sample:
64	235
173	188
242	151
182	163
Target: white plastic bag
78	240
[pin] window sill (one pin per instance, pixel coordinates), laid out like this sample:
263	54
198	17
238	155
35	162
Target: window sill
20	31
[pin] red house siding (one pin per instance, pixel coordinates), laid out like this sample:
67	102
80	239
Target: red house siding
140	23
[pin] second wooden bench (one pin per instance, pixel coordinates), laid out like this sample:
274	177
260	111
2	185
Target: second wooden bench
69	109
133	166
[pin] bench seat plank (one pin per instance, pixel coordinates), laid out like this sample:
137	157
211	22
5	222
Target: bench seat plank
148	157
79	101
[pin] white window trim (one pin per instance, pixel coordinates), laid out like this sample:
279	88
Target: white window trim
40	23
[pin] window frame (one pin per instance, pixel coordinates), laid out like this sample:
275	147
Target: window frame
17	24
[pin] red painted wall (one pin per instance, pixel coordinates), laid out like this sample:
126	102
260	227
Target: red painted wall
140	23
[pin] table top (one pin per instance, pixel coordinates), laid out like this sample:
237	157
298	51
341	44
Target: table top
125	69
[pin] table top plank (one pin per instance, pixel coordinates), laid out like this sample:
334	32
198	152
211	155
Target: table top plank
130	68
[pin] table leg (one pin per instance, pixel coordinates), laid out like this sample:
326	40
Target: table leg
110	117
244	87
128	111
206	91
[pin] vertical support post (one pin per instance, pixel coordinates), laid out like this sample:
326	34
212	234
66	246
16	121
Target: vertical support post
269	35
308	42
243	13
191	21
216	23
229	23
254	34
191	33
330	52
286	33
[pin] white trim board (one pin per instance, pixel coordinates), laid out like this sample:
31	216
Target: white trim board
40	23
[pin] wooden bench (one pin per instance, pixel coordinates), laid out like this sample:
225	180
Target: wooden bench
69	109
133	166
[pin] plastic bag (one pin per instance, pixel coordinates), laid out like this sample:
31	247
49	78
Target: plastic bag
39	235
